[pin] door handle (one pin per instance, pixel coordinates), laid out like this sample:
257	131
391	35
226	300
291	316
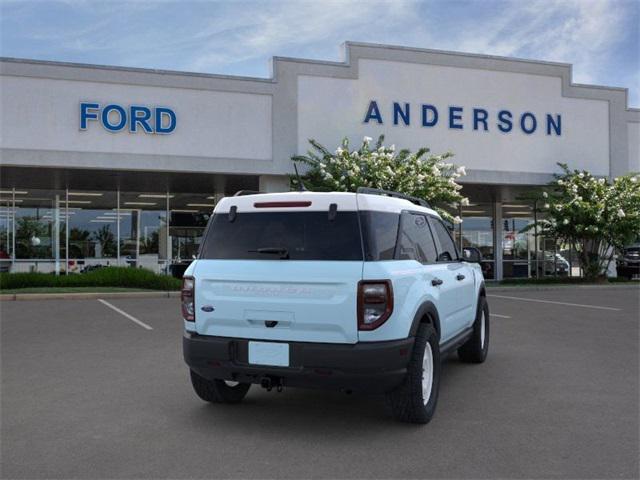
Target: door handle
436	281
459	277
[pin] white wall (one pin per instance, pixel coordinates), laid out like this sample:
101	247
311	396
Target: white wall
329	108
43	114
633	136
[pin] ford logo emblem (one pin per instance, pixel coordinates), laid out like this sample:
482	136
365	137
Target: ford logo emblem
207	308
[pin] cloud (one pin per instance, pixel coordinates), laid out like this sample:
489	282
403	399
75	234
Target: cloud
600	38
581	32
277	26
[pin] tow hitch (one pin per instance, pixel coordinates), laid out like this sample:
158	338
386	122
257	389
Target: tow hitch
268	383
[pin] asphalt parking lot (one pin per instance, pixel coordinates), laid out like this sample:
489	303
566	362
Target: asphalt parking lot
89	393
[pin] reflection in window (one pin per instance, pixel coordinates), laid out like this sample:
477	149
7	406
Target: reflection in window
92	230
518	239
143	229
477	232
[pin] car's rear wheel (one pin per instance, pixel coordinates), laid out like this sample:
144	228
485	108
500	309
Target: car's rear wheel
476	348
218	391
415	400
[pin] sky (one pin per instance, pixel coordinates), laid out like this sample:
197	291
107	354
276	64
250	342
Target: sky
600	38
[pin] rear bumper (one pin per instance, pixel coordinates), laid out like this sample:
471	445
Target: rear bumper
363	367
628	269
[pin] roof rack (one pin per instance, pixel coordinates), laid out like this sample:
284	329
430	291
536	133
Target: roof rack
388	193
242	193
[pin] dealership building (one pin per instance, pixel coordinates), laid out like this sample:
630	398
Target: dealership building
105	165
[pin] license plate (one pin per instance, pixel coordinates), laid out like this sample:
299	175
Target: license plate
269	353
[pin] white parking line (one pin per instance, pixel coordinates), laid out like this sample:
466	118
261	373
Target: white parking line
557	303
499	316
125	314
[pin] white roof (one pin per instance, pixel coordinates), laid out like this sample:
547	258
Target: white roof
318	201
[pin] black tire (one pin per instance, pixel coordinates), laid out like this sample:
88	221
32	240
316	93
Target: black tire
217	391
476	348
407	402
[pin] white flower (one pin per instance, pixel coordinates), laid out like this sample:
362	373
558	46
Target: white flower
367	139
560	182
392	148
601	181
581	175
545	195
558	207
464	202
621	213
461	170
565	221
546	205
339	151
634	179
457	220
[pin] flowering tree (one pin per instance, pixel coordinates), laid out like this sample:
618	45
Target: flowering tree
593	215
417	174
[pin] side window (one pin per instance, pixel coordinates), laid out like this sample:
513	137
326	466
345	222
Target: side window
379	234
447	251
415	241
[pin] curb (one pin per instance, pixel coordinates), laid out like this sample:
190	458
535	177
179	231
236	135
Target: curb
511	288
85	296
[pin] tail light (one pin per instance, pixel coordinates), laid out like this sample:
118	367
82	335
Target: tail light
375	303
187	297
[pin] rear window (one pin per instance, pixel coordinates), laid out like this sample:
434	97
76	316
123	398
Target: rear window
280	235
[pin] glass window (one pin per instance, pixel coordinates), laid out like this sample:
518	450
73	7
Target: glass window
380	232
292	235
143	229
446	248
415	241
190	213
477	232
92	230
36	217
6	230
518	240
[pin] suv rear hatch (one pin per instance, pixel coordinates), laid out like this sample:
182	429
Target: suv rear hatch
281	267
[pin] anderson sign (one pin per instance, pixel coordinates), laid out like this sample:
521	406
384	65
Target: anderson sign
460	118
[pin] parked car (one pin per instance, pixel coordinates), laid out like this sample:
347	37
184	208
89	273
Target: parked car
5	261
628	263
554	264
356	292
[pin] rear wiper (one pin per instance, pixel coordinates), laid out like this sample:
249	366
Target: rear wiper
283	252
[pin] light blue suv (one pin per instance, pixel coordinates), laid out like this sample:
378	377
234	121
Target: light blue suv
352	291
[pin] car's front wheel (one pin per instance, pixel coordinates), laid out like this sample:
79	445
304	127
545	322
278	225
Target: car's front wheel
415	400
218	391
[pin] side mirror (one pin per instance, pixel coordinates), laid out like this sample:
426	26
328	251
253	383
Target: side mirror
471	255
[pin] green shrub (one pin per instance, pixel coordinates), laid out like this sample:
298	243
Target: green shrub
101	277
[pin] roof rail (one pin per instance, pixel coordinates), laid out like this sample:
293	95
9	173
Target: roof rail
242	193
389	193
